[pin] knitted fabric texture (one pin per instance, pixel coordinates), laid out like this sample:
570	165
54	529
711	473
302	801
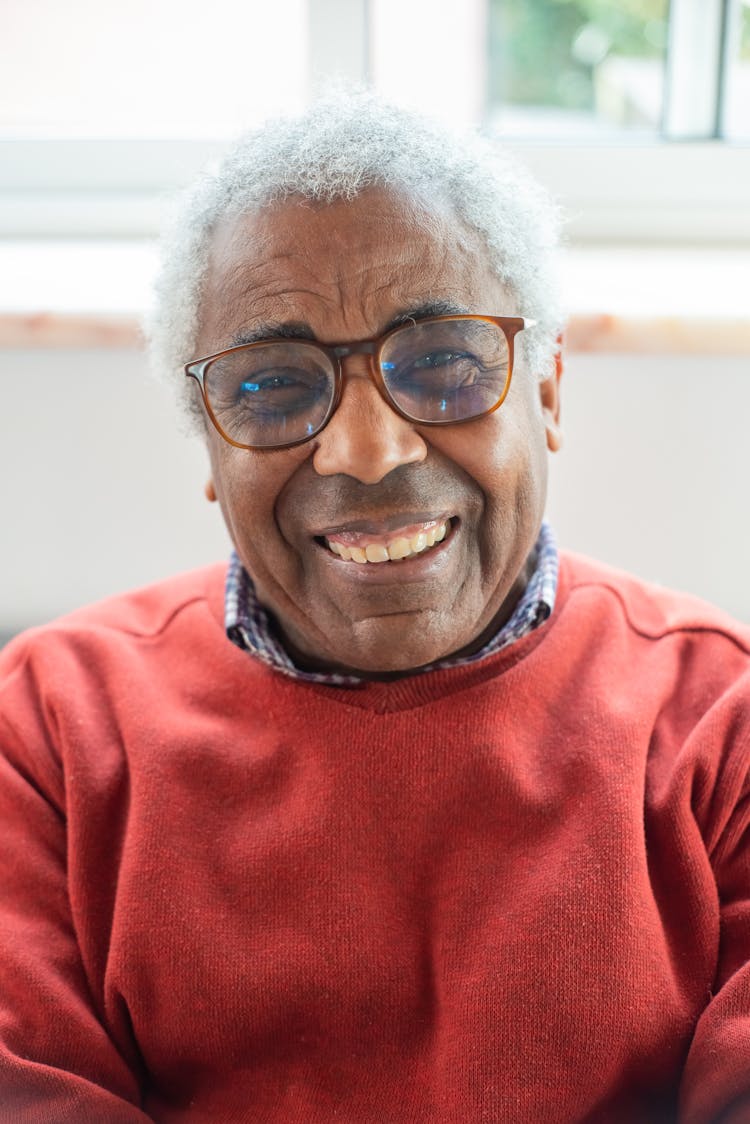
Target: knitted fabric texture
513	890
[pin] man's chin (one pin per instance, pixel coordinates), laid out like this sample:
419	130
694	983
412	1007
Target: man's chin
391	650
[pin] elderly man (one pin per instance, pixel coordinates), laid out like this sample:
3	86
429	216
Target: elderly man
400	817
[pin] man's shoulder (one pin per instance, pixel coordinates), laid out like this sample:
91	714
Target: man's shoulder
141	613
652	610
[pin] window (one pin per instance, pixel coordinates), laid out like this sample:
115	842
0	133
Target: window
578	68
176	68
96	132
737	92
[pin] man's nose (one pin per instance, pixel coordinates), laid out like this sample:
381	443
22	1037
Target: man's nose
365	438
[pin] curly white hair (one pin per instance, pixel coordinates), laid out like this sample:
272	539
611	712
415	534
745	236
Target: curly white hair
344	143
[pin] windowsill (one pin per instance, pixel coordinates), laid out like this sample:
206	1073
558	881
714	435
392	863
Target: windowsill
637	300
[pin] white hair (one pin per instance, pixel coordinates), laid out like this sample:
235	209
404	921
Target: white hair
343	144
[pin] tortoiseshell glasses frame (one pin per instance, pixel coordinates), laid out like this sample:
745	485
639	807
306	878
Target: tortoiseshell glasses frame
329	358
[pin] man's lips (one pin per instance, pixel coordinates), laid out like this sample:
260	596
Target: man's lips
403	545
379	529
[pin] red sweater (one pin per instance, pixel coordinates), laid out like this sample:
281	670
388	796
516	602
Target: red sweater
514	891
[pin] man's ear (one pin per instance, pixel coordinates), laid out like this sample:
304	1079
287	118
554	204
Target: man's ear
549	392
209	491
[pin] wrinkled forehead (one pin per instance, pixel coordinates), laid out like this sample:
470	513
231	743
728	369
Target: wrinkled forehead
345	268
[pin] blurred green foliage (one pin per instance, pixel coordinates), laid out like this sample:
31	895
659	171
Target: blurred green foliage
544	52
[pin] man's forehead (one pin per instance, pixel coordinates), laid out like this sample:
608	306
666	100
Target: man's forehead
386	256
369	206
300	233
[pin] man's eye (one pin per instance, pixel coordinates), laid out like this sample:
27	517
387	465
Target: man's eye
435	359
279	380
435	369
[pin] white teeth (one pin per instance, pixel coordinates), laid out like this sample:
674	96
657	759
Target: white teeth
397	549
376	553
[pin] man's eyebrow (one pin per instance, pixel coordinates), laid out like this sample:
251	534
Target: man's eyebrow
297	330
293	330
427	309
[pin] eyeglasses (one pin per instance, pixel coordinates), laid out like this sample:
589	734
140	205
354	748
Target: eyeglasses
438	371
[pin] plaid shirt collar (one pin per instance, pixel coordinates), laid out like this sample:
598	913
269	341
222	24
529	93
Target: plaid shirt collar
249	627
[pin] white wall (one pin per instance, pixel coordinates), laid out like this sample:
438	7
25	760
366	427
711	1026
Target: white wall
655	472
99	491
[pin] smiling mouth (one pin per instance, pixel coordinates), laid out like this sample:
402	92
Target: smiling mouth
404	543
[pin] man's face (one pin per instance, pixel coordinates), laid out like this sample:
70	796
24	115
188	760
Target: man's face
345	272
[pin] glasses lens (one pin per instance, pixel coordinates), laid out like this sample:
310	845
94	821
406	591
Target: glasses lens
271	393
448	370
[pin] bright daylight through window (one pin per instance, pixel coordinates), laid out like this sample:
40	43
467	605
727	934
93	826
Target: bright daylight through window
141	96
143	69
569	67
585	69
578	68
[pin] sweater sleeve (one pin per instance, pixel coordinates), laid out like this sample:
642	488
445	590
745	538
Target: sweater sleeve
716	1079
57	1062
